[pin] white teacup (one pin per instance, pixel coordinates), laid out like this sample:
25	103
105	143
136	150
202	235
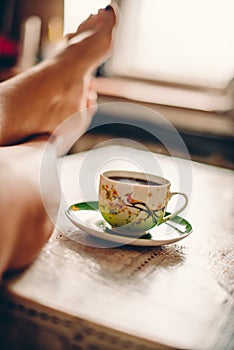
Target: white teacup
135	202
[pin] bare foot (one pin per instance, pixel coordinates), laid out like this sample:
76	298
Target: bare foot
88	48
38	100
98	30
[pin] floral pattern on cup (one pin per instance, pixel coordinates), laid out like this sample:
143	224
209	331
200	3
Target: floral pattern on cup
135	202
136	214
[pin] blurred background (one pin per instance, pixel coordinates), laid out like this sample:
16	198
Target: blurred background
175	57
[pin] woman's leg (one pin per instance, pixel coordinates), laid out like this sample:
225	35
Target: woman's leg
25	225
34	103
38	100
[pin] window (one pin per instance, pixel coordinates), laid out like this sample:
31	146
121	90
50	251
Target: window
184	49
183	41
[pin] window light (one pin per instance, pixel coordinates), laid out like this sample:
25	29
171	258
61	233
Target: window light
183	41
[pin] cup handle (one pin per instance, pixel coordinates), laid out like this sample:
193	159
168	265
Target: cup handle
172	215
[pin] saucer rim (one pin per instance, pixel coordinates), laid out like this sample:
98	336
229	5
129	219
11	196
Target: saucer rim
100	233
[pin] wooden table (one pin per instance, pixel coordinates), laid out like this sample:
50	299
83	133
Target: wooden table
85	296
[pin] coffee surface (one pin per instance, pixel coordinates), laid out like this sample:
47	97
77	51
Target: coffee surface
135	181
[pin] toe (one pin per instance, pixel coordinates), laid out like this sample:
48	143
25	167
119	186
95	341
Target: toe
89	24
107	16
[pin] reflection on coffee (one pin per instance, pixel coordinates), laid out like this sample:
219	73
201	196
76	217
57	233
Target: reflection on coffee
134	181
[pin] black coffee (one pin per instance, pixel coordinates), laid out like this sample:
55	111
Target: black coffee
134	181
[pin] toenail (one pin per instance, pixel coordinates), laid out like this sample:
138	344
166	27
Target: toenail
108	8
